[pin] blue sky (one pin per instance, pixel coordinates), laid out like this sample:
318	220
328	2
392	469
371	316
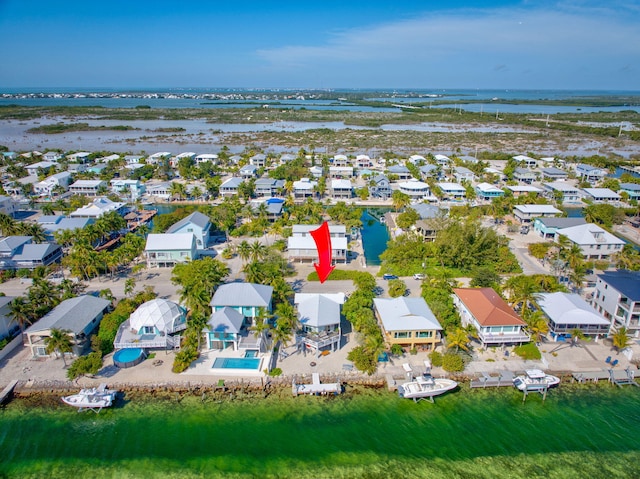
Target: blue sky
569	44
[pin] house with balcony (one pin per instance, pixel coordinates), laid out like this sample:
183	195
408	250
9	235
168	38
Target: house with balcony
567	313
495	321
89	188
51	156
562	190
595	242
363	161
524	175
417	160
442	160
617	298
158	157
248	172
98	208
554	174
79	317
304	188
259	160
452	191
160	190
341	189
18	252
153	325
230	187
601	195
408	322
55	182
631	189
187	155
547	227
590	173
132	189
34	169
526	161
167	250
286	158
268	187
429	171
235	307
52	224
197	224
301	246
341	172
400	172
522	190
316	171
79	157
416	190
460	173
380	187
487	192
528	213
206	158
319	319
340	160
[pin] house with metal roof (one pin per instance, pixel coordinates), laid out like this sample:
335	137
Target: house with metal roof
341	172
79	317
524	175
527	213
18	252
567	312
495	321
452	191
460	173
302	247
601	195
99	207
319	318
595	242
487	191
590	173
631	189
617	298
416	190
197	224
341	189
380	187
167	250
42	166
408	322
268	187
400	172
230	187
249	171
304	188
526	161
564	191
46	187
259	160
224	329
88	187
520	190
548	226
554	174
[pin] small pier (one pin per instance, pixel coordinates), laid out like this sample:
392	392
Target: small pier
316	388
620	377
487	381
628	379
536	388
6	392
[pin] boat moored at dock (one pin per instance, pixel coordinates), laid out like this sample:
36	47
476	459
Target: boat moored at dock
535	379
91	398
425	387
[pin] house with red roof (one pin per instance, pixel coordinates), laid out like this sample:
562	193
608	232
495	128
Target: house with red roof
495	321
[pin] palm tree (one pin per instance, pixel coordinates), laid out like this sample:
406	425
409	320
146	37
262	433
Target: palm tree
47	209
627	258
21	312
129	286
621	339
576	336
8	226
177	190
458	338
258	251
59	342
400	199
197	322
244	250
537	325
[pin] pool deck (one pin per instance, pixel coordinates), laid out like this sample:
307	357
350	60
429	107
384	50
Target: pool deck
203	365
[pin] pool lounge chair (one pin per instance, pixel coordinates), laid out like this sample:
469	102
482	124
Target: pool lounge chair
608	360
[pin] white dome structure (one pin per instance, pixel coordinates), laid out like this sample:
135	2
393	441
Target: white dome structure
157	316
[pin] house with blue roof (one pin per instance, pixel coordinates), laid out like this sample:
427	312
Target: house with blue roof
631	189
617	298
18	252
196	223
590	173
230	187
486	191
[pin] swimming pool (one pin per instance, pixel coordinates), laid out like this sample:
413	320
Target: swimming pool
129	357
236	363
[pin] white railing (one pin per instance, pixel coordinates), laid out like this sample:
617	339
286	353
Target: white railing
500	338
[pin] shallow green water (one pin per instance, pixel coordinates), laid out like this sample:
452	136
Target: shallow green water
591	431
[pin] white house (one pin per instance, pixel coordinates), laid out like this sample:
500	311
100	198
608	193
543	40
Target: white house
319	318
601	195
99	207
7	205
88	187
302	247
417	190
595	242
567	312
197	224
527	213
617	298
167	250
46	186
304	188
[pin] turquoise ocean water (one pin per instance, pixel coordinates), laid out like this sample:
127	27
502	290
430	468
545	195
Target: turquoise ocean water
579	431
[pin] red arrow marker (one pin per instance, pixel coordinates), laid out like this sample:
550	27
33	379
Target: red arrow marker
322	237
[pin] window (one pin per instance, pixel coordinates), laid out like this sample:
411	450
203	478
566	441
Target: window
424	334
401	335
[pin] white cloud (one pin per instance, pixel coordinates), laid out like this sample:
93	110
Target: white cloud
568	38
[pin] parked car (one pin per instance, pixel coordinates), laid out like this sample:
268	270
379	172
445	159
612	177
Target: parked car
419	276
389	276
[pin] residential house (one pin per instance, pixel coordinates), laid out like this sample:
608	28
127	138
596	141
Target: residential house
268	187
340	160
567	313
617	298
429	171
487	192
189	155
380	187
133	159
601	195
495	321
89	188
259	160
316	171
526	161
286	158
7	205
42	166
47	186
249	171
547	227
527	213
520	190
590	173
52	224
167	250
8	327
304	188
107	159
559	189
554	174
226	328
341	189
131	189
158	157
400	172
442	160
18	252
51	156
302	247
99	207
408	322
152	325
273	207
79	317
595	242
160	190
230	187
97	169
452	191
79	157
631	189
524	175
319	319
341	172
206	158
416	190
363	161
461	174
197	224
417	159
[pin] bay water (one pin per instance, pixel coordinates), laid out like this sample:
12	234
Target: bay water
579	431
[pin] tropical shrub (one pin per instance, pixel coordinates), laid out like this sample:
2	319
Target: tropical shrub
452	362
363	360
436	359
88	365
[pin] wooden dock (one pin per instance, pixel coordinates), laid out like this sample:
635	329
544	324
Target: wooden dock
316	388
619	377
6	392
487	381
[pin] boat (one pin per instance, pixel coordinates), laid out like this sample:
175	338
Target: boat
535	379
425	387
91	398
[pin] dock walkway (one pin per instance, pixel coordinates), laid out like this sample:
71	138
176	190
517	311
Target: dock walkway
6	392
487	381
316	387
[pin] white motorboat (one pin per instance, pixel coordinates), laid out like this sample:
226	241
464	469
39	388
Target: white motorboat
535	379
92	398
425	387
